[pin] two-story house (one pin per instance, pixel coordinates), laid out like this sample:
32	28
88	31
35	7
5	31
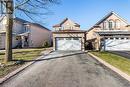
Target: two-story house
25	34
68	36
110	33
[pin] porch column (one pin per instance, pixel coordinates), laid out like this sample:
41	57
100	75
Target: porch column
22	38
83	44
54	42
98	42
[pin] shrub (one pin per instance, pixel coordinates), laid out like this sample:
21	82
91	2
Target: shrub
46	44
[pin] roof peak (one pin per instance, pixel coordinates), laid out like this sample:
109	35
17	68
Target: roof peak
62	22
108	15
112	12
28	22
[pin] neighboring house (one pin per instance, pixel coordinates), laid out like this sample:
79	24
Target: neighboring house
25	34
110	33
68	36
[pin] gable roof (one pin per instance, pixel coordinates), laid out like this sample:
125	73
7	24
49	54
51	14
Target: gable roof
107	16
59	25
27	22
39	25
21	20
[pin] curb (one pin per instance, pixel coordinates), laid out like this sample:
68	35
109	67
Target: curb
119	72
8	76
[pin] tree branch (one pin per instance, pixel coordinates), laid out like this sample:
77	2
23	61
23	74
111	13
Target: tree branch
21	4
32	12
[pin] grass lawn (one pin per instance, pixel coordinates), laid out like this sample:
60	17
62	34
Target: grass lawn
120	62
18	54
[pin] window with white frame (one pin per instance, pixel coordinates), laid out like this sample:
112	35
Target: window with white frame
118	24
26	29
111	24
105	25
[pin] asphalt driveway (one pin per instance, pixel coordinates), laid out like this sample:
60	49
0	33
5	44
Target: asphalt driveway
71	70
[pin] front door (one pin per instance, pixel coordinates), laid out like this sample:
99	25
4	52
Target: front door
25	41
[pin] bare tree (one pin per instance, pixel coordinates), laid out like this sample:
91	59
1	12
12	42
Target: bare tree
30	8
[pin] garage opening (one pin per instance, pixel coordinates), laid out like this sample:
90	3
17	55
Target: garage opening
68	43
117	44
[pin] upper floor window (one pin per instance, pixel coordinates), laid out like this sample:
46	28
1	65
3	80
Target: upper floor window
118	24
105	25
26	27
111	24
71	28
67	28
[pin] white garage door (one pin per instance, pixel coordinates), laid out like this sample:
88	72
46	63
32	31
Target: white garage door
117	44
68	43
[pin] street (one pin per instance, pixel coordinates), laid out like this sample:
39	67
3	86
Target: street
77	70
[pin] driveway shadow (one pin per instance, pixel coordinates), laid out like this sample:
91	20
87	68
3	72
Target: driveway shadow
50	58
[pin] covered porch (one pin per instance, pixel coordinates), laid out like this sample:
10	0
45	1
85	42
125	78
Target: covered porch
23	40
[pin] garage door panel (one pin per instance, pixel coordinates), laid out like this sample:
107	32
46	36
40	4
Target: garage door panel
117	45
68	44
